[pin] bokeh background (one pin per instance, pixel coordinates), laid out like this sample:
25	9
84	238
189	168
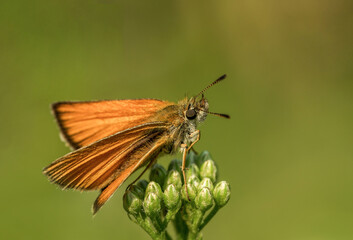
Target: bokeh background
287	151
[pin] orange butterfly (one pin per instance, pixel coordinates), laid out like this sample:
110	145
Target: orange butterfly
112	139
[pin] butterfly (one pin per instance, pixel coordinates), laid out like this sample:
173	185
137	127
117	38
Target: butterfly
112	139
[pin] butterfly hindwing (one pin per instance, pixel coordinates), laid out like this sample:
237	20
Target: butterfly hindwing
148	155
97	165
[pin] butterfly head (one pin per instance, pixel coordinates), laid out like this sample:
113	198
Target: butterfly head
197	109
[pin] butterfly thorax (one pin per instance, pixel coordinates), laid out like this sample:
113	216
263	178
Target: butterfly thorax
183	118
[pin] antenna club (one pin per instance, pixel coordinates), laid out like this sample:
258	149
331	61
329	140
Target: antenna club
213	83
222	77
220	115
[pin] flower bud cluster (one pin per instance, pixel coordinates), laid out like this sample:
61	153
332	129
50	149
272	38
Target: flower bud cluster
167	198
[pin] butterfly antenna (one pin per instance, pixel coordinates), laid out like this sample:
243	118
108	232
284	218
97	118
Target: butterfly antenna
219	114
217	81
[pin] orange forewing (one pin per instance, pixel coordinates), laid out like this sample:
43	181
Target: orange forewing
83	123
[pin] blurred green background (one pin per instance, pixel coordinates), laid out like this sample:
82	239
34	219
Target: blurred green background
287	151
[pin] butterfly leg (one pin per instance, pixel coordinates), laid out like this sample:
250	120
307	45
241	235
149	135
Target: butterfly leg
185	151
193	149
184	146
147	167
196	133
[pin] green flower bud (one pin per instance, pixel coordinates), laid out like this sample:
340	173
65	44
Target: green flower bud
138	191
192	190
203	157
192	169
190	158
175	164
221	193
208	169
131	202
206	182
158	174
193	180
204	200
154	187
174	178
171	196
152	204
142	184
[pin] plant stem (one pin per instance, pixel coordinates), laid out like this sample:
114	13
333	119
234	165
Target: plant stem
209	217
180	227
157	223
167	236
196	221
147	226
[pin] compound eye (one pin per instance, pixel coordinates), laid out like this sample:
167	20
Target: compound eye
191	114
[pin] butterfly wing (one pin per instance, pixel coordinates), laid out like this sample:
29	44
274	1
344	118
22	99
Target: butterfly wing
107	163
148	155
83	123
95	166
